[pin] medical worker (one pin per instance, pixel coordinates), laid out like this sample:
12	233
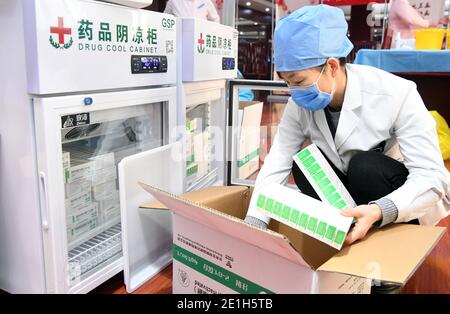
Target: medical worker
201	9
355	114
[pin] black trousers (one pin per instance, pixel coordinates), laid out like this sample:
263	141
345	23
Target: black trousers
371	175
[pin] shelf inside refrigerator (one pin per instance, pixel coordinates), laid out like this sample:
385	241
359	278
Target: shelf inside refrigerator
94	232
95	252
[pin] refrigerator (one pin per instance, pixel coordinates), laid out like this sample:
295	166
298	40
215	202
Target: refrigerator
138	231
85	85
207	59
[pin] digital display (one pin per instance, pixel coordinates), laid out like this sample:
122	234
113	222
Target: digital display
228	64
148	64
145	63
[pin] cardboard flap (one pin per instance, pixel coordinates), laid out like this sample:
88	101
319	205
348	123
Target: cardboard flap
231	200
313	251
391	254
226	223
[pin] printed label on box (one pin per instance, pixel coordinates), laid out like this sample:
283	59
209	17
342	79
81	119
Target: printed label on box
306	214
82	171
323	178
88	213
78	201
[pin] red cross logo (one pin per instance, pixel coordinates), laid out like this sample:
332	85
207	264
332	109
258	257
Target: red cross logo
201	41
200	47
60	30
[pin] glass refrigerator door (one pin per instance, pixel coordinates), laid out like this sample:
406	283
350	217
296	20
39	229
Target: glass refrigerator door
92	141
91	153
205	122
254	112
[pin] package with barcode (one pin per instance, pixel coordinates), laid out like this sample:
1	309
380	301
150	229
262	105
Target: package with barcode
304	213
322	178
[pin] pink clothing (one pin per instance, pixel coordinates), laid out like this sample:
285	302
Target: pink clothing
405	19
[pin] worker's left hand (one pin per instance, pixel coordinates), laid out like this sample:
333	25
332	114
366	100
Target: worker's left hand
366	216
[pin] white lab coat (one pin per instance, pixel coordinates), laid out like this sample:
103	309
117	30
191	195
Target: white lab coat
378	106
202	9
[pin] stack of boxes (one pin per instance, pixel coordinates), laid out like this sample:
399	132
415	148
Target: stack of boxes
92	197
196	143
249	116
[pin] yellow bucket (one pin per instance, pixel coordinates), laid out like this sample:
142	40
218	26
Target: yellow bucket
429	39
448	39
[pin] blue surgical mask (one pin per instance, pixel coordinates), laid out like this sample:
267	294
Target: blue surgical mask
311	97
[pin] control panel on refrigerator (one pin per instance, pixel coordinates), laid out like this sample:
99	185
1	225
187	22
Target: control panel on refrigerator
148	64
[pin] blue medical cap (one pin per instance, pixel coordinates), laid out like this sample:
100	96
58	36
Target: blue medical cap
307	37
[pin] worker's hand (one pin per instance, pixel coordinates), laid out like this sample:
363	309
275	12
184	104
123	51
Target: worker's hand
365	216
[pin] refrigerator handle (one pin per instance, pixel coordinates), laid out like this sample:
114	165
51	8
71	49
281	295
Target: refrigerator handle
44	199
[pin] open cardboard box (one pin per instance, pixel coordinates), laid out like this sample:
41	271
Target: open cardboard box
215	251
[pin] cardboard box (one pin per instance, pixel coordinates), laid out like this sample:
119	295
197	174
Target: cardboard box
66	166
104	175
82	216
250	113
77	186
80	171
78	201
110	214
77	231
194	125
110	200
197	154
215	251
201	153
101	190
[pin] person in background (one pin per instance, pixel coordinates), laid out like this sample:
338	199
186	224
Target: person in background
202	9
404	19
355	114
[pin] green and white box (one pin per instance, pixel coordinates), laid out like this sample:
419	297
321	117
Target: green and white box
75	232
104	175
323	178
77	187
78	201
306	214
82	216
66	165
101	190
80	171
108	201
250	114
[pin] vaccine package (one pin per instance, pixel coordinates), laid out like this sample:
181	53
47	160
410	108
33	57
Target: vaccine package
322	178
304	213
